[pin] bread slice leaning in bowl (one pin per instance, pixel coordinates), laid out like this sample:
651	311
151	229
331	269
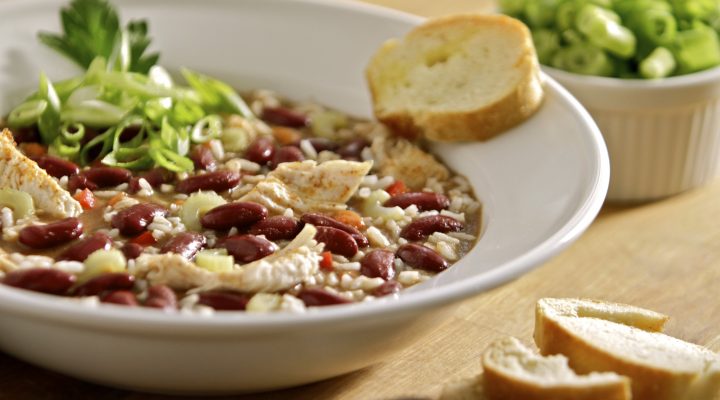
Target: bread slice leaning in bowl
600	336
462	77
513	371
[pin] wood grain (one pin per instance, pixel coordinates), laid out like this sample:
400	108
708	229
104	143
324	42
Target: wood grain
664	256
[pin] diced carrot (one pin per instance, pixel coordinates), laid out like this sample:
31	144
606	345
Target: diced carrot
396	188
327	262
144	239
285	135
86	198
349	217
115	199
33	149
179	202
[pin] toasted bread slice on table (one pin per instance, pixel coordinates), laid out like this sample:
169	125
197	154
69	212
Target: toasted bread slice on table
598	336
462	77
513	371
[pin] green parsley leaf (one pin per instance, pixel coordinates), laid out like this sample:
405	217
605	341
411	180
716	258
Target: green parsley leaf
91	28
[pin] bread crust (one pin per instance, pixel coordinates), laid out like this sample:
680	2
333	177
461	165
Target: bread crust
648	382
481	123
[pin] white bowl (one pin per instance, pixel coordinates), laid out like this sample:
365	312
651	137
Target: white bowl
663	135
541	184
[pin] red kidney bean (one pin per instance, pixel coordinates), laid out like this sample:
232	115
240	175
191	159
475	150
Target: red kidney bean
203	158
81	250
336	241
324	220
155	177
120	297
322	144
56	166
425	226
80	182
224	300
161	296
185	244
319	297
284	116
378	264
217	181
45	280
239	214
248	248
387	288
286	154
351	150
424	201
133	220
105	282
52	234
418	256
107	176
260	151
26	134
132	250
278	227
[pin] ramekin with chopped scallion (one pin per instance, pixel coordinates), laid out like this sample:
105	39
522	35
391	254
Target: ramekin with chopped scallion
647	71
645	39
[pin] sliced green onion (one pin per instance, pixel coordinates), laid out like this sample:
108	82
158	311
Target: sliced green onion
130	158
104	140
547	42
659	64
27	113
697	49
63	149
49	121
160	77
186	111
207	129
72	132
583	59
94	113
602	28
217	95
170	160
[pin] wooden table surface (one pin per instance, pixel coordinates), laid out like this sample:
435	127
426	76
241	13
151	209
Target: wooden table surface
664	256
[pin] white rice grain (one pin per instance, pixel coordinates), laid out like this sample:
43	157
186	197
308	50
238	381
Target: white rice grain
408	278
308	149
376	237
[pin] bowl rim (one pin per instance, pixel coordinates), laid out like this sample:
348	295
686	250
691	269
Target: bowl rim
699	78
145	321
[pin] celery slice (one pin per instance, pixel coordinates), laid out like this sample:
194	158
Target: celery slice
19	202
196	206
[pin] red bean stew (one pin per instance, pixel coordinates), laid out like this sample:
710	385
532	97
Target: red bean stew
306	207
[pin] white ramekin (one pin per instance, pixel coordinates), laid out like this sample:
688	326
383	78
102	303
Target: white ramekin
663	136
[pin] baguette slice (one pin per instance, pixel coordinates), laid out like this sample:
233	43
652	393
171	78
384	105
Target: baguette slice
598	336
462	77
512	371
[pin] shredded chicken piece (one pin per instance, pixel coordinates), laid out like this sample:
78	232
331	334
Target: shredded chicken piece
407	162
307	186
294	264
22	173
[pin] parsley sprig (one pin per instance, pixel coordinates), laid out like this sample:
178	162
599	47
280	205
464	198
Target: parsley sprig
91	28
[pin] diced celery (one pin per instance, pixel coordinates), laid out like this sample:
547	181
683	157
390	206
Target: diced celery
102	262
21	203
264	302
213	260
236	138
547	42
325	123
196	206
697	49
